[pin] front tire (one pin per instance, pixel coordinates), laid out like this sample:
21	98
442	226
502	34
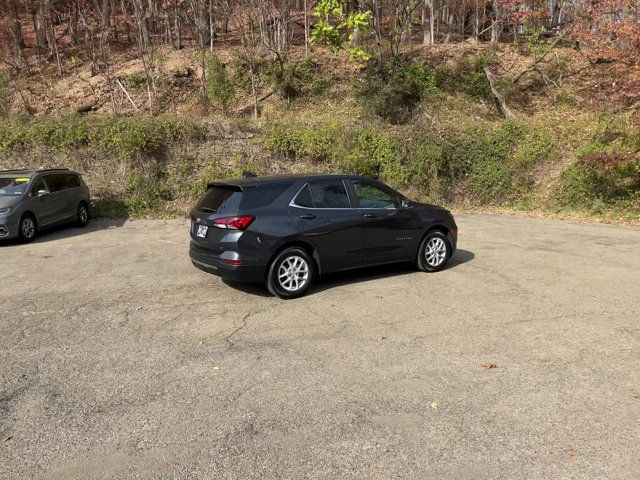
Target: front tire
291	273
434	252
28	228
82	218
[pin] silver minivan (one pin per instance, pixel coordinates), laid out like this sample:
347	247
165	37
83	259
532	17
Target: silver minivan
32	200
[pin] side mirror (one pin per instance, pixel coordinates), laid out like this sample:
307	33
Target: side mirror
404	203
42	192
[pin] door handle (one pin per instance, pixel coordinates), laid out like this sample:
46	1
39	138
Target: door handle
369	215
307	216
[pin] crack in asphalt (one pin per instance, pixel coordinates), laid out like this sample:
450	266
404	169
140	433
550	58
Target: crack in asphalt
244	320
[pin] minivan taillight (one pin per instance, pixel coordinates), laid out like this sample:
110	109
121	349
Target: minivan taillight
234	223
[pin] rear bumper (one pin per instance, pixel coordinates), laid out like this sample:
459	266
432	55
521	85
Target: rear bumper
211	263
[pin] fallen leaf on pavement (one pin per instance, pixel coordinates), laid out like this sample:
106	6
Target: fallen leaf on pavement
489	365
216	367
434	405
637	397
571	453
6	439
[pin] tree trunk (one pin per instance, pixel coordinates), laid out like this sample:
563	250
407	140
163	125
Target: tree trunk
17	26
495	26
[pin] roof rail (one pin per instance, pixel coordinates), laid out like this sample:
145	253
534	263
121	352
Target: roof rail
52	170
16	170
248	174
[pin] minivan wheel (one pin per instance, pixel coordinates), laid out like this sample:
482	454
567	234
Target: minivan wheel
291	273
83	215
28	228
434	252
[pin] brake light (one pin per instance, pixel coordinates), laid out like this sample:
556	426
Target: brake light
234	223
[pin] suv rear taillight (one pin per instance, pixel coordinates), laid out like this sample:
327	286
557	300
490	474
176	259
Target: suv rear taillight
234	223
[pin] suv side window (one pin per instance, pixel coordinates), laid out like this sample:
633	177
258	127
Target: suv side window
372	196
56	182
327	194
304	199
72	180
263	195
38	184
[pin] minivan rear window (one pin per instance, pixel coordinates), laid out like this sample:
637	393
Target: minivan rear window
220	199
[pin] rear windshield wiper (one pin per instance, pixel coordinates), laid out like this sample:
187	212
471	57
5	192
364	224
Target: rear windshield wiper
207	209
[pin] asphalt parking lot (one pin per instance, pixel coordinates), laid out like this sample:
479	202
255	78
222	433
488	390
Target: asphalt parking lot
522	360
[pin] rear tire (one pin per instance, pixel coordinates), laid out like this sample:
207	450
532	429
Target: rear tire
82	217
291	273
28	228
434	252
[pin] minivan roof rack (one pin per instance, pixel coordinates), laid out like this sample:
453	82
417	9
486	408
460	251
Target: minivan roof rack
248	174
33	170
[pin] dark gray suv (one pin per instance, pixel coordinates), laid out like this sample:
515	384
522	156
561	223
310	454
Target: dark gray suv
32	200
288	230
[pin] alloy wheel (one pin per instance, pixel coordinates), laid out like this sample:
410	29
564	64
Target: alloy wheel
435	252
83	214
293	273
28	228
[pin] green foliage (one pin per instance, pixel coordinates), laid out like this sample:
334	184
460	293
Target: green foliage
537	147
339	36
287	79
5	94
607	171
146	192
492	165
585	185
465	76
395	94
535	42
124	137
296	79
137	79
219	87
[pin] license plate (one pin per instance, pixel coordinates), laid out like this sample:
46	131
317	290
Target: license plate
202	231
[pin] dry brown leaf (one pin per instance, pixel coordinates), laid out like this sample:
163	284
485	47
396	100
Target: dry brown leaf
489	365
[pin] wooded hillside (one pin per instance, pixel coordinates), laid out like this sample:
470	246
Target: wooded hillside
509	104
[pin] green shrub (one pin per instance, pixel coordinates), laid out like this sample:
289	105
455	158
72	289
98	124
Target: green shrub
124	137
146	192
137	79
219	87
395	94
466	76
286	79
6	95
537	147
491	164
490	181
600	179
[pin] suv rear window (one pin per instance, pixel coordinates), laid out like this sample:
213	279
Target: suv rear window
229	198
220	199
